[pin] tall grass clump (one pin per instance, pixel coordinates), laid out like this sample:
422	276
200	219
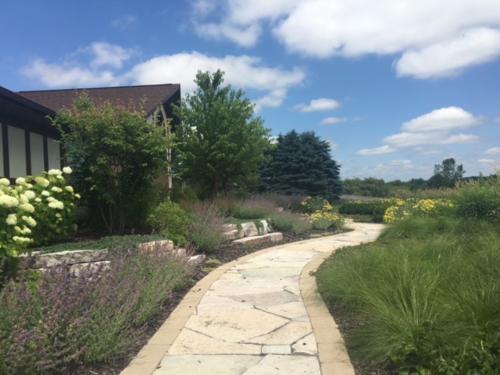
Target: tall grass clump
59	321
426	296
290	222
205	232
258	207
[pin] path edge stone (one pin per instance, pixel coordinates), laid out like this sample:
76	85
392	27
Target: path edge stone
332	352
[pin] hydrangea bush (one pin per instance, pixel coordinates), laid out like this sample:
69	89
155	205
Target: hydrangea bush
35	211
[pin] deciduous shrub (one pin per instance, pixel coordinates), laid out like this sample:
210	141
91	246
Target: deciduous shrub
374	209
172	221
290	222
116	155
313	204
62	321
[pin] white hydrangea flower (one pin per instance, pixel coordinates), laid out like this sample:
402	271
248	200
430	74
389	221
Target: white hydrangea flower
30	194
11	219
23	198
45	193
54	172
69	189
51	199
56	189
43	182
20	180
67	170
29	220
27	207
22	240
8	201
4	181
38	200
55	204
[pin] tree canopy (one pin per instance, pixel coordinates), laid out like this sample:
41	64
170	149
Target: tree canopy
221	144
302	164
446	174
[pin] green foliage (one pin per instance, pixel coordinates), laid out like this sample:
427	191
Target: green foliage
290	222
371	187
479	200
427	294
221	143
171	221
301	164
374	209
115	155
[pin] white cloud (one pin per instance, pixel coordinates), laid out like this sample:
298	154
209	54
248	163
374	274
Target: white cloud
245	37
124	22
317	105
61	75
382	150
435	38
486	161
242	71
106	54
450	57
433	128
493	151
333	120
443	119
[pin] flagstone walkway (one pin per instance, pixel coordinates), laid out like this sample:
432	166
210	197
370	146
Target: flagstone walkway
252	320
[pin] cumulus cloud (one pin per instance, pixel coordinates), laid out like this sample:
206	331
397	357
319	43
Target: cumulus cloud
61	75
382	150
245	37
106	68
433	38
333	120
450	57
317	105
443	119
486	161
434	128
493	151
106	54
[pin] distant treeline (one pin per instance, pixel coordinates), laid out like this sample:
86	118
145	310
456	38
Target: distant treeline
446	175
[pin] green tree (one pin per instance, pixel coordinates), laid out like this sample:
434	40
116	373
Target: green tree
220	143
302	164
115	155
372	187
446	174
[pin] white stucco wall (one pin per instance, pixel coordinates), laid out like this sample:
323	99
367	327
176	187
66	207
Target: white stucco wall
17	152
36	145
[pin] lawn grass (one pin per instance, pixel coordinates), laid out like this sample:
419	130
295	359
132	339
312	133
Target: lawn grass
424	298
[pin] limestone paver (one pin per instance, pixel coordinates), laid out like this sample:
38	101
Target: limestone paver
252	320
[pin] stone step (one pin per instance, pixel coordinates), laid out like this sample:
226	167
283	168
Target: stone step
256	240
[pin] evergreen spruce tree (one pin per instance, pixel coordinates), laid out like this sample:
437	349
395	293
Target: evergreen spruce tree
301	164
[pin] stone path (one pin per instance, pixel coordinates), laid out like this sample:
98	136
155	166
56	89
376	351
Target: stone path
252	320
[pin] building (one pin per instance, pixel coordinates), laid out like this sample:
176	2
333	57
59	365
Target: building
30	144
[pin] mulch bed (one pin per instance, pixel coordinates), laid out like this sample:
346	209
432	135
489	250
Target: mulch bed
226	253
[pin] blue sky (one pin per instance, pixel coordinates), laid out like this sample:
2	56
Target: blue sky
395	85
